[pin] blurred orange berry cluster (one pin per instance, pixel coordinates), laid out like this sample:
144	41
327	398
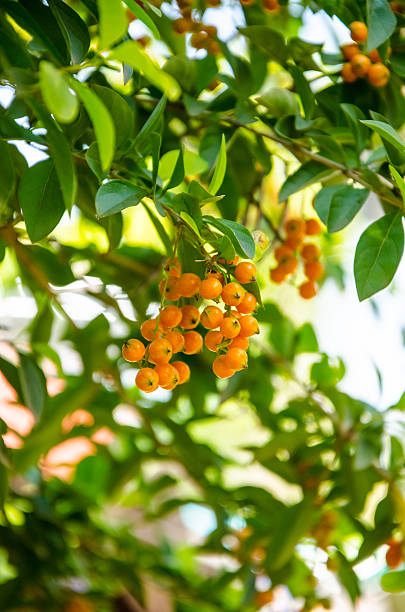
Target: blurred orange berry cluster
395	553
173	330
358	63
292	248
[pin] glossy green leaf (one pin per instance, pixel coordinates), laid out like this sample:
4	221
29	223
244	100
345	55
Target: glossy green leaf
41	199
337	205
220	169
378	254
381	22
57	95
394	582
113	22
240	237
163	235
120	111
151	125
73	27
132	53
7	173
117	195
175	171
306	175
101	120
399	181
279	101
385	130
268	40
143	16
33	385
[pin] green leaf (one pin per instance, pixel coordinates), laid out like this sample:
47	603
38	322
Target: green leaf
190	221
399	181
354	117
120	111
101	120
309	173
378	254
327	372
59	99
41	199
387	132
151	125
176	171
381	23
10	372
117	195
268	40
279	101
396	157
394	582
60	151
220	169
240	237
337	205
7	173
160	230
33	385
113	22
304	90
306	341
131	53
143	16
74	29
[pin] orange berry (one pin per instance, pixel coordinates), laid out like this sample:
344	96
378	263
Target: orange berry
232	294
358	31
176	340
310	252
312	227
293	242
263	598
239	342
236	359
170	316
278	275
248	326
189	284
210	29
308	290
272	6
210	288
170	287
231	262
168	375
172	267
394	556
220	368
347	73
183	371
349	50
182	25
133	350
245	272
289	264
190	317
160	351
247	2
235	313
218	275
212	340
361	64
211	317
248	304
147	380
199	40
192	343
378	75
148	329
282	251
313	270
374	56
230	327
295	228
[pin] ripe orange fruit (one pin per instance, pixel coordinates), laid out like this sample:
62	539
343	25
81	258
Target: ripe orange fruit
199	40
230	327
172	267
189	284
232	294
218	275
349	50
190	317
313	270
312	227
295	228
239	342
168	375
248	326
212	340
192	342
211	317
310	252
160	351
236	359
210	29
361	64
147	380
170	316
293	242
248	304
182	25
308	290
245	272
282	251
278	275
220	368
170	287
347	73
358	31
374	56
183	371
148	329
289	264
378	75
272	6
210	288
394	556
176	340
263	598
133	350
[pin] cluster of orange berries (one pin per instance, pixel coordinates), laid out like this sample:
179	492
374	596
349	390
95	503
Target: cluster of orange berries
395	553
271	6
293	246
173	331
202	36
358	63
